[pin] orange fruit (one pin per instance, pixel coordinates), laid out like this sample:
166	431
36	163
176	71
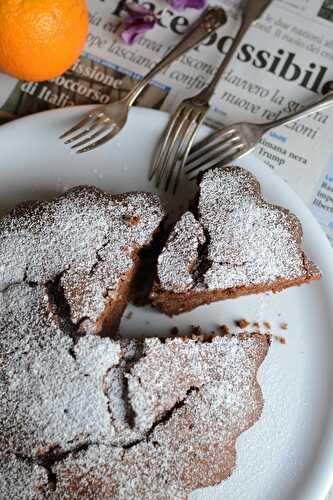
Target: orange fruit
40	39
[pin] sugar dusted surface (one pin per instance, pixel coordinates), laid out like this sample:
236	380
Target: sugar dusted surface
124	419
249	241
51	388
20	480
116	390
190	442
168	371
180	254
76	237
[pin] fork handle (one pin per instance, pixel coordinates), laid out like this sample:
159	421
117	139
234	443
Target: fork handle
210	21
320	105
252	11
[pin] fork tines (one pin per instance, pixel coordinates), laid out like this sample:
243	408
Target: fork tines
93	126
218	148
175	143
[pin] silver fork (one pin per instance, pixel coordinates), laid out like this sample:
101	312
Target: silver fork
178	137
104	122
235	141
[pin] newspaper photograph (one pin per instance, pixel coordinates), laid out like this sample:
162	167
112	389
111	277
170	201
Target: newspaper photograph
284	63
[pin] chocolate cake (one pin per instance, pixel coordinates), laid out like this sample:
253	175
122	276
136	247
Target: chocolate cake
102	416
233	243
87	416
188	401
60	392
84	247
142	418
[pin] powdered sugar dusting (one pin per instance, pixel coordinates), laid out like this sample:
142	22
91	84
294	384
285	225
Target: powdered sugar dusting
151	383
187	444
124	432
21	480
180	254
76	236
249	241
51	390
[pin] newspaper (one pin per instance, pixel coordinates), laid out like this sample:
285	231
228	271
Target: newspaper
284	62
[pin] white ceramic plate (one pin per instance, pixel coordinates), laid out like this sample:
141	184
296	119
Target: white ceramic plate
288	454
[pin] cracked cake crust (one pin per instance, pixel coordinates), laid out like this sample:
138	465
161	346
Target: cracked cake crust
87	242
50	384
178	406
250	246
187	425
85	416
21	479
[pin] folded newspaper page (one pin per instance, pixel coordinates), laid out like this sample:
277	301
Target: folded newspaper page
284	62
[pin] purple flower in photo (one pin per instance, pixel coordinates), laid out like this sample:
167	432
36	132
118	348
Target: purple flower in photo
187	4
138	21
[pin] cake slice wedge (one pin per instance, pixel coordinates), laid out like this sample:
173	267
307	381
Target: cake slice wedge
84	246
190	399
233	243
128	418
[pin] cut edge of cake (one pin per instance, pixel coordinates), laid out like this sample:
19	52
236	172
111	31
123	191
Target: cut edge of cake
194	258
84	246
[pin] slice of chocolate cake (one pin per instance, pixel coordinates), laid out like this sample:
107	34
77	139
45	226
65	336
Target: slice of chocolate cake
185	402
84	246
144	418
234	243
51	383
